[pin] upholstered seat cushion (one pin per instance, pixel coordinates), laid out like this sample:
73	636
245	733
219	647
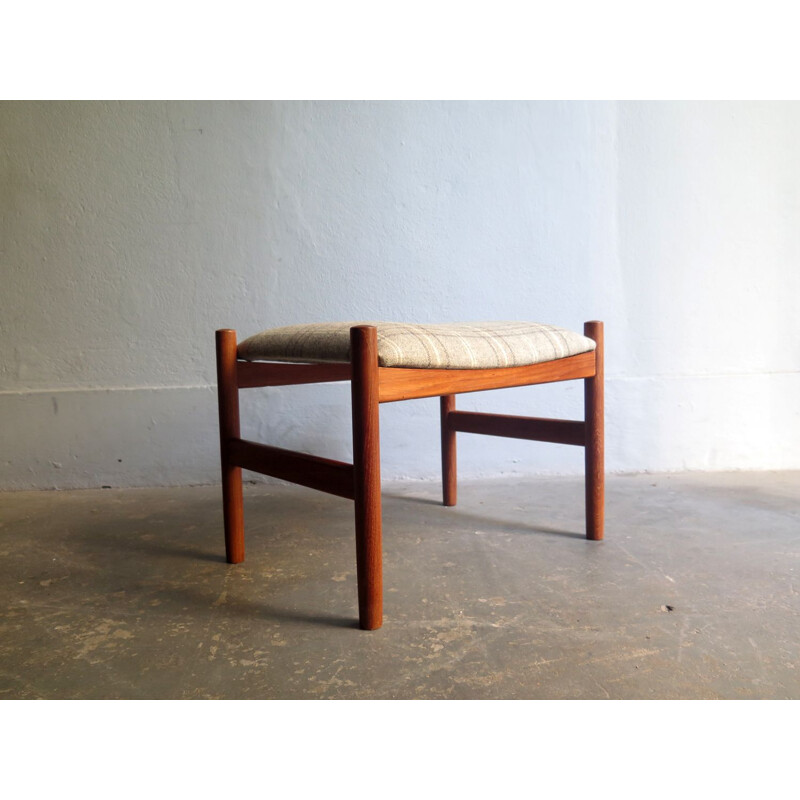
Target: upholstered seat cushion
463	345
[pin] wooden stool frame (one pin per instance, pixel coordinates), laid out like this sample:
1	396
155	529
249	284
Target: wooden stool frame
372	385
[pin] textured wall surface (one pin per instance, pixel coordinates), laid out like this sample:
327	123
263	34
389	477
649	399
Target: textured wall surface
130	231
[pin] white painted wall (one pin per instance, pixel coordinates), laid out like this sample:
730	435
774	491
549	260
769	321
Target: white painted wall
130	231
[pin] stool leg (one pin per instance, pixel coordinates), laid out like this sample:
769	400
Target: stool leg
594	411
228	396
367	475
447	403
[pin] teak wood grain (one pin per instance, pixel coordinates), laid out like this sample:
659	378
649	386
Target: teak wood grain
540	429
324	474
252	374
447	407
398	383
228	397
367	474
594	455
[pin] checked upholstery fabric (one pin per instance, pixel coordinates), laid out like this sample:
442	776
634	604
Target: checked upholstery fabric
464	345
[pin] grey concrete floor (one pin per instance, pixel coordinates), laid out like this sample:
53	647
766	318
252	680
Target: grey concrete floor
126	594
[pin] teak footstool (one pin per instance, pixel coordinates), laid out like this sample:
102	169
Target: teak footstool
385	362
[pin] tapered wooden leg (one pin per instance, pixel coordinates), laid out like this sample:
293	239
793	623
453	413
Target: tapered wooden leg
367	475
228	395
447	403
593	404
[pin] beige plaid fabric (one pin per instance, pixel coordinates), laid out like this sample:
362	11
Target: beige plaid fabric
464	345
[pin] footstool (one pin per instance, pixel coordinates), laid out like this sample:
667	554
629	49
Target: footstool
386	362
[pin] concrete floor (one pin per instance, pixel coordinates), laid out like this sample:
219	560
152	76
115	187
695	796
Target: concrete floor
125	593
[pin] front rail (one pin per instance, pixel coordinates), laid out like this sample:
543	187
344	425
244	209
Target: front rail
399	383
